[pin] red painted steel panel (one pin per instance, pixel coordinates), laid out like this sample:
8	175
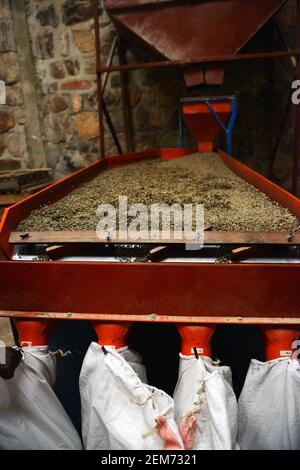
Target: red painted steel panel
272	190
191	30
174	153
151	288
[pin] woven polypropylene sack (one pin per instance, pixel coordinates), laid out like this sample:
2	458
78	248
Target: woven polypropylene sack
205	405
119	411
269	406
31	416
135	361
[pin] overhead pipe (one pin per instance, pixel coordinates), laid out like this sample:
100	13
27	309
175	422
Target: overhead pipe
280	342
196	339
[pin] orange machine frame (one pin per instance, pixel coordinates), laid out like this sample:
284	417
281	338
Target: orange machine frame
164	292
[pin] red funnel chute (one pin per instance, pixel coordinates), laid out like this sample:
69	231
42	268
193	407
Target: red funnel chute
203	123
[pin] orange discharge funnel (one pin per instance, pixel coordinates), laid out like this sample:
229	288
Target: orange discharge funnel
281	342
196	339
34	332
112	334
205	121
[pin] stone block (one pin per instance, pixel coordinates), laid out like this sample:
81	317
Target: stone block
45	45
87	125
48	16
57	70
76	11
84	40
77	85
6	121
7	40
9	68
16	144
56	104
72	66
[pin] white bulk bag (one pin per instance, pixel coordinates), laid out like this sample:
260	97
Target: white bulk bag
119	411
269	406
135	362
205	405
31	416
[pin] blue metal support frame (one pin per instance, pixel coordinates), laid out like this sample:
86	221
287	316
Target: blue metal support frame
228	130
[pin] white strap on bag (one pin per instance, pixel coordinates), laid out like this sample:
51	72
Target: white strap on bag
269	406
31	416
119	411
205	405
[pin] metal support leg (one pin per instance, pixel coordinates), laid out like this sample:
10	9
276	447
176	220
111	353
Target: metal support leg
181	127
99	78
231	127
126	104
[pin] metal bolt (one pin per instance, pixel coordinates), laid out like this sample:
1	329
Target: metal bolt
154	317
23	236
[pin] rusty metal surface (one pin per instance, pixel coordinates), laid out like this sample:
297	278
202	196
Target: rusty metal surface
117	4
189	30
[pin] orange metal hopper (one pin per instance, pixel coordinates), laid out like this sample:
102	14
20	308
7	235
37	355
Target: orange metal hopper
203	123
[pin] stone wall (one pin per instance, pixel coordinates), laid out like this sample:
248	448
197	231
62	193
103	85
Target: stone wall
62	42
6	333
63	46
13	147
